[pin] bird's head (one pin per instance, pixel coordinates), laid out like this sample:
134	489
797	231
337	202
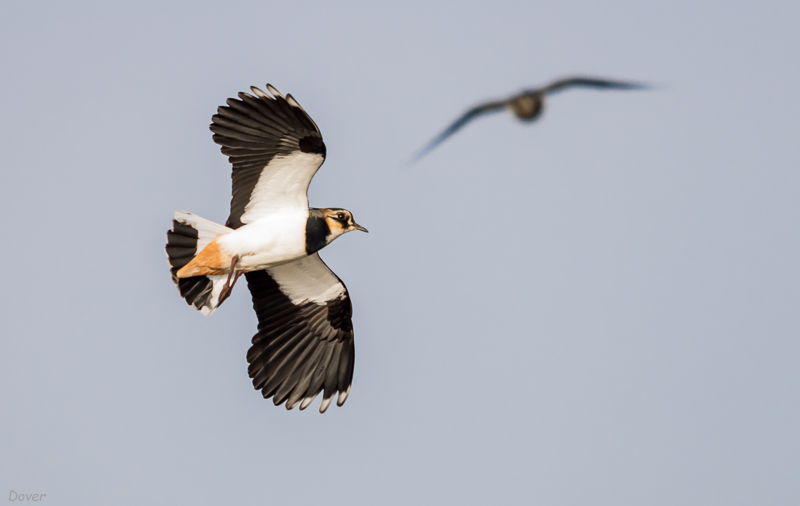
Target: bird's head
340	221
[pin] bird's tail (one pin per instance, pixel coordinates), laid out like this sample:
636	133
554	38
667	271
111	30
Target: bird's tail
190	234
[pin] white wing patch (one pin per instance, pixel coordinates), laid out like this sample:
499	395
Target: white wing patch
307	280
283	184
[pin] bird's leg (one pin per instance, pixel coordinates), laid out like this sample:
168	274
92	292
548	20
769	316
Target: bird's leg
238	273
230	271
228	288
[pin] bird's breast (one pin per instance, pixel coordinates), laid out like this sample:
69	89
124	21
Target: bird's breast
268	241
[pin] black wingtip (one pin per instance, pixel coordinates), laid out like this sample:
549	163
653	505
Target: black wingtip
430	146
634	85
418	155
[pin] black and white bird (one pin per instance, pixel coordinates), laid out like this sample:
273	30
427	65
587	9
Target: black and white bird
526	105
304	343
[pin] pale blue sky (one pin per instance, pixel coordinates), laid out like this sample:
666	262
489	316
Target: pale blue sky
600	308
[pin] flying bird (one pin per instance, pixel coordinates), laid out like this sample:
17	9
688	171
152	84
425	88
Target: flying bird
304	344
526	105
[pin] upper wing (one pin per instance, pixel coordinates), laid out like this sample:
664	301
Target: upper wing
590	82
275	148
305	340
460	122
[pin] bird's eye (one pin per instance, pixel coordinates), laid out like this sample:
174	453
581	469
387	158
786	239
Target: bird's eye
340	216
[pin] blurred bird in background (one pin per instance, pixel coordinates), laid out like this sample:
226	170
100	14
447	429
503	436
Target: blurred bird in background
526	105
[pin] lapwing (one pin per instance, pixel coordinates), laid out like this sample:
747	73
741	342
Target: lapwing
526	105
304	344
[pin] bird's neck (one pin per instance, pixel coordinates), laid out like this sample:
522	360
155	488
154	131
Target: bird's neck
318	233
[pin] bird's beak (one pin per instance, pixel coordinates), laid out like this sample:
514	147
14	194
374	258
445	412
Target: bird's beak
359	227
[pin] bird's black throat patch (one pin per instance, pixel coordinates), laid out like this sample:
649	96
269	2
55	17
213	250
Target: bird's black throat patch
317	230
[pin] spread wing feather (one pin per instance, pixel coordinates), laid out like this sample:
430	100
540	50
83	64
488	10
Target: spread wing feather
304	343
275	149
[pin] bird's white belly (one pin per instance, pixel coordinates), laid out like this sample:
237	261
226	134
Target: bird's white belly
268	241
